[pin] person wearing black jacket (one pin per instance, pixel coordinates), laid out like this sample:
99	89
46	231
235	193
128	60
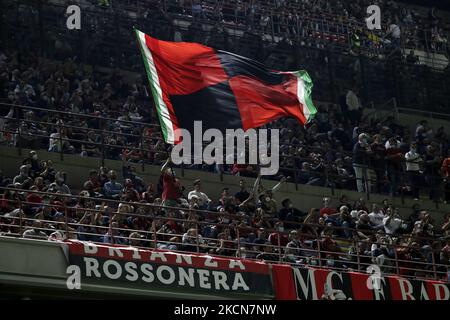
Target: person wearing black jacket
378	162
290	214
35	167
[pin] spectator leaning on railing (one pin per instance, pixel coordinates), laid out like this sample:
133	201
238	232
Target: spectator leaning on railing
203	199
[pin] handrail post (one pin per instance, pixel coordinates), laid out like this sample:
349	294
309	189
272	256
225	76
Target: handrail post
155	236
238	242
358	259
279	247
60	144
20	217
433	261
142	151
196	237
111	240
319	253
66	222
103	149
18	130
396	261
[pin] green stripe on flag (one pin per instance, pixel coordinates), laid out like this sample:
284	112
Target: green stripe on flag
308	84
153	86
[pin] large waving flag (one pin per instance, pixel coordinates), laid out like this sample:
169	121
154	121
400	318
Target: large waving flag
191	82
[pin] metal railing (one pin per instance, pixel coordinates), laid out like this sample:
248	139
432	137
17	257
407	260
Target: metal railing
313	244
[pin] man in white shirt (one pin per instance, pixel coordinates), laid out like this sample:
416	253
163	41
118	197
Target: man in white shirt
412	159
376	217
391	223
413	169
203	199
353	105
35	231
59	141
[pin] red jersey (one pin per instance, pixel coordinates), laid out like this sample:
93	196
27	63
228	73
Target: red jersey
445	168
273	237
34	198
171	187
327	211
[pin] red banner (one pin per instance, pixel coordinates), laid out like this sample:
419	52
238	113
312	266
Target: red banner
189	272
316	284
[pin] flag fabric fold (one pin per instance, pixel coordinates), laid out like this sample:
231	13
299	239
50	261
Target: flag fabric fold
192	82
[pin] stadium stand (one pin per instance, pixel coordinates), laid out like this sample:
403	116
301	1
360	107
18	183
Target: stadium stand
84	93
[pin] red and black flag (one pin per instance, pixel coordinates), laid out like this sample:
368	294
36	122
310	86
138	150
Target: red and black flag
191	82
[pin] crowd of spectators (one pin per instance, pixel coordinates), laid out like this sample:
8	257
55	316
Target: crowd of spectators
109	113
312	22
130	211
107	39
321	23
75	90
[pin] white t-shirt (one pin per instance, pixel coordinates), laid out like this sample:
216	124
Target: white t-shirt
376	218
202	197
412	156
393	225
388	145
352	101
55	142
394	30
